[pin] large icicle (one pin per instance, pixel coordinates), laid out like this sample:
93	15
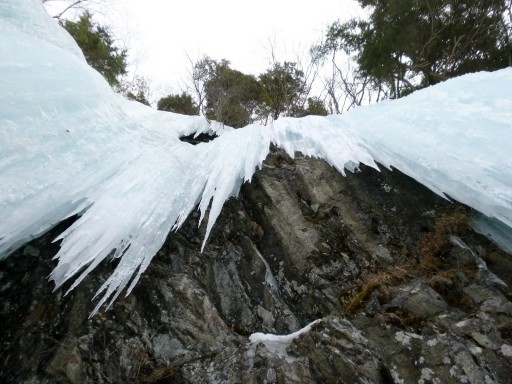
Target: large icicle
69	145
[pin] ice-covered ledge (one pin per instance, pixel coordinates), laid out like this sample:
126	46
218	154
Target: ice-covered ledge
276	343
69	145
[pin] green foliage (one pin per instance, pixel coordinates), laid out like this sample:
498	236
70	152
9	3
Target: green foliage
183	104
409	44
237	99
283	84
231	97
315	106
97	44
139	96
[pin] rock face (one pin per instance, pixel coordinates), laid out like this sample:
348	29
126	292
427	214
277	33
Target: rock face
402	288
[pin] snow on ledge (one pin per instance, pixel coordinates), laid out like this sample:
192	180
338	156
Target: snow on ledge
271	339
276	343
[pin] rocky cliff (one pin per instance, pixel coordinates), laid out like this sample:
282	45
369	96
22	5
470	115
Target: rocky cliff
399	287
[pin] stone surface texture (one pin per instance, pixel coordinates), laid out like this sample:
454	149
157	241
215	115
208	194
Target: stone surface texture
397	298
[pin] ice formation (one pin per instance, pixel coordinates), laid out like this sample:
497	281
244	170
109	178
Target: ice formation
69	145
277	344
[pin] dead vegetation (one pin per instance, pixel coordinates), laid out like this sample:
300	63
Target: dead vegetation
381	281
429	261
433	245
505	329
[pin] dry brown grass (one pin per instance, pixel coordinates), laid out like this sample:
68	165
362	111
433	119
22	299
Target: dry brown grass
434	244
505	329
370	282
430	249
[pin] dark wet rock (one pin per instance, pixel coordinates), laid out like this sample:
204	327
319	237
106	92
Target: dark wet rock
196	139
403	290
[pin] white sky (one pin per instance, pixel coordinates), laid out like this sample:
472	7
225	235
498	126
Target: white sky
161	33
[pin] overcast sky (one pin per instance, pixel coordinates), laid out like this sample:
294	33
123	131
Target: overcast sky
161	33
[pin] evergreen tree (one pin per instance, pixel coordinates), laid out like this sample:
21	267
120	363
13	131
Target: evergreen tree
230	96
315	106
97	44
283	84
183	104
409	44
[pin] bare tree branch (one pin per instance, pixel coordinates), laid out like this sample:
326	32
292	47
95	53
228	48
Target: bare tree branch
68	5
